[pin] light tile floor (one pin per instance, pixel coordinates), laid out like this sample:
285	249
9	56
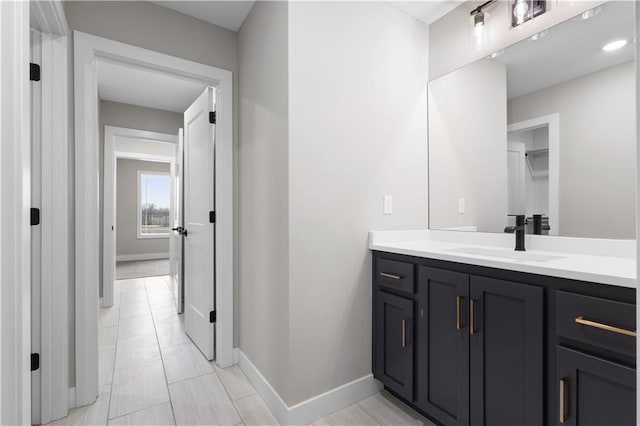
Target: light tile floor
152	374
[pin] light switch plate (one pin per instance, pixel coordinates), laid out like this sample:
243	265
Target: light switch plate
460	205
388	204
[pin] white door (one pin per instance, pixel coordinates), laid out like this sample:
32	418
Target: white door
199	254
516	174
176	239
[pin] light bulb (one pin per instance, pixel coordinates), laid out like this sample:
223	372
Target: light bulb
479	34
520	10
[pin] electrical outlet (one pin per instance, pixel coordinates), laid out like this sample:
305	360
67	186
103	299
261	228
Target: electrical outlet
460	205
388	204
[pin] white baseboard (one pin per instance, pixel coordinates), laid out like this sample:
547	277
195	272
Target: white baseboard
314	408
144	256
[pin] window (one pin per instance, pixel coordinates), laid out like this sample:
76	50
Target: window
154	194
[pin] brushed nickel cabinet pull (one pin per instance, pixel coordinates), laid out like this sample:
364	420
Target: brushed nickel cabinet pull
472	317
563	392
393	277
458	320
607	327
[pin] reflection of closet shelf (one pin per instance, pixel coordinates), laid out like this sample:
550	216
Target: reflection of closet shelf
537	174
538	151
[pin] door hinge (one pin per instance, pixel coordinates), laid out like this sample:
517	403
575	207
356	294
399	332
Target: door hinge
212	216
212	316
35	216
35	362
34	72
212	117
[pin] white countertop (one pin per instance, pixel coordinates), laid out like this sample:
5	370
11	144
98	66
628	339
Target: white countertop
585	259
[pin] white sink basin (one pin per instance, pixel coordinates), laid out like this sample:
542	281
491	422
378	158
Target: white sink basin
506	253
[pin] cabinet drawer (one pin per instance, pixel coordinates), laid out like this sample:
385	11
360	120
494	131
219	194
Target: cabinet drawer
603	323
395	275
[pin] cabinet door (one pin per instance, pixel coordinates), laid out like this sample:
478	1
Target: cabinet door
593	391
506	350
443	345
394	343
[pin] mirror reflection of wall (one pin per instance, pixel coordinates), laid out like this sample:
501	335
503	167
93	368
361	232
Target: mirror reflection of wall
557	139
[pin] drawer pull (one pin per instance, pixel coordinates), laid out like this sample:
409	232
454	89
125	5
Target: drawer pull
458	320
601	326
563	393
404	333
472	317
393	277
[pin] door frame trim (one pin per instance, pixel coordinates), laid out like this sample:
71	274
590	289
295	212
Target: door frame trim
552	121
109	203
89	50
15	197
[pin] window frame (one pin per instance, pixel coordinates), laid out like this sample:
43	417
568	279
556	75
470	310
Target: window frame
139	234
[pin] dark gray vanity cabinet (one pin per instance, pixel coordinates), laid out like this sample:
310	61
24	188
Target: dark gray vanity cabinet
394	325
443	345
506	328
394	353
471	345
480	346
595	384
593	391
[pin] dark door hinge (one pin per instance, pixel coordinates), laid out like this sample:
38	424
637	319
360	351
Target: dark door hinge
212	316
212	217
35	362
212	117
34	72
35	216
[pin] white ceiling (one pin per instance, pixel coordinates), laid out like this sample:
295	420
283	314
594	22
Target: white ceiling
427	11
142	87
570	50
226	14
231	14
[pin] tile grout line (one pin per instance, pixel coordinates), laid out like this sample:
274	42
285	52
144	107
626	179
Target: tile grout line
229	395
164	370
113	368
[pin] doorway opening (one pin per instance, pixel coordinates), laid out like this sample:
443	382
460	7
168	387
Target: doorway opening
129	75
533	173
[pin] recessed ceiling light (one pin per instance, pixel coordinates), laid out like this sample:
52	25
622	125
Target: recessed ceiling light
539	35
588	14
496	54
614	45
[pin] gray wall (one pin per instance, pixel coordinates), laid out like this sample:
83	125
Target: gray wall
597	149
153	27
468	147
263	145
127	242
318	179
357	131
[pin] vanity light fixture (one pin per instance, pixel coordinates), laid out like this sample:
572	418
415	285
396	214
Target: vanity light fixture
614	45
525	10
479	33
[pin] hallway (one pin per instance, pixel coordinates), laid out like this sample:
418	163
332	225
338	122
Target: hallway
152	374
